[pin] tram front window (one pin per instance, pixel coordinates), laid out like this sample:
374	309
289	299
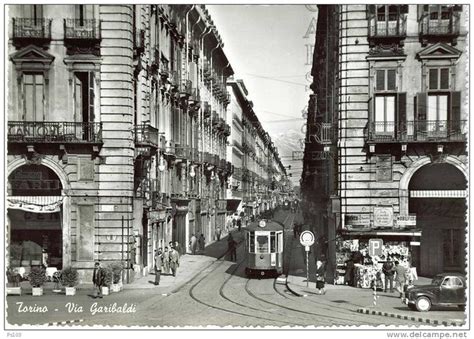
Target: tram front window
252	243
262	243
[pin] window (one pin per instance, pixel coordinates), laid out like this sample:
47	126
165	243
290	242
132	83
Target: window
262	243
252	243
33	96
438	78
273	245
385	80
83	13
385	114
33	11
84	103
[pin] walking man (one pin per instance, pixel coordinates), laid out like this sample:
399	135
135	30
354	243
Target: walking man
202	243
239	223
388	270
166	261
400	272
98	280
218	233
174	261
232	247
320	277
158	264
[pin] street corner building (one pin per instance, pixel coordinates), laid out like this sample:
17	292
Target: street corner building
121	138
386	145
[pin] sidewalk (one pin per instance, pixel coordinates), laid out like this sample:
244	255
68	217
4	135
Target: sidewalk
361	300
189	267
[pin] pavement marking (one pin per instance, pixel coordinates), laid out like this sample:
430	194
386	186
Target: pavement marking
405	317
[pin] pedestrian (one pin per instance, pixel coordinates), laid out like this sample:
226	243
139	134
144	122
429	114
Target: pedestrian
295	230
177	247
239	223
158	264
218	233
234	222
400	278
202	243
232	247
388	270
320	277
166	261
98	280
174	261
349	275
193	244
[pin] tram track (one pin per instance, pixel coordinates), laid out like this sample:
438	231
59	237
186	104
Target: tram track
225	297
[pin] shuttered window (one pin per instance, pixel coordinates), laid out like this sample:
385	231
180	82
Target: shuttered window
386	80
438	78
33	96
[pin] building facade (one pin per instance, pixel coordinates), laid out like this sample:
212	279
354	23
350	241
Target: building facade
395	133
117	133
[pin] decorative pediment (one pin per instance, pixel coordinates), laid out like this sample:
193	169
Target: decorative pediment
440	51
32	54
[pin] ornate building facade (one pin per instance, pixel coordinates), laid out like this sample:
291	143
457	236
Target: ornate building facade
117	133
395	133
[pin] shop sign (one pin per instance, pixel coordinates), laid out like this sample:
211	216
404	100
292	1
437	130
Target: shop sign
375	247
403	221
357	221
383	216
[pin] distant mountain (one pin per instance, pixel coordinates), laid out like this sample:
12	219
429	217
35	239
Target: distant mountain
287	143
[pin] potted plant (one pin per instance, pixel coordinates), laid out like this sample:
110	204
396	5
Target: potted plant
13	278
108	278
70	279
37	277
117	268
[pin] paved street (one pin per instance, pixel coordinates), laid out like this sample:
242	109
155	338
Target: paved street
219	294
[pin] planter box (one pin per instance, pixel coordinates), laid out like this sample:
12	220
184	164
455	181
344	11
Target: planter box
37	291
70	291
115	288
105	290
13	290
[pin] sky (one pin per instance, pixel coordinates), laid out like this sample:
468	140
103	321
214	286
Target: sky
267	48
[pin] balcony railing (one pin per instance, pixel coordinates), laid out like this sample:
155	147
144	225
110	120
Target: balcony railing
30	28
146	135
436	28
418	131
54	132
396	28
81	29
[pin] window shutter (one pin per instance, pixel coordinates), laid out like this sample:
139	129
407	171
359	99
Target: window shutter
455	109
380	80
433	78
91	96
444	78
391	79
401	112
421	111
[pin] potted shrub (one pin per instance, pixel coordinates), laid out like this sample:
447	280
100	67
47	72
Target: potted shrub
108	278
117	268
70	279
13	278
37	277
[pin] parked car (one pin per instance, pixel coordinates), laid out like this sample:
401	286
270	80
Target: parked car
446	289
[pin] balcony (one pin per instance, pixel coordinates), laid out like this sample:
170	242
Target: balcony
439	29
394	29
81	29
38	132
31	31
146	136
418	131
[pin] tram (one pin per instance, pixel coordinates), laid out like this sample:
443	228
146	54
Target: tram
264	246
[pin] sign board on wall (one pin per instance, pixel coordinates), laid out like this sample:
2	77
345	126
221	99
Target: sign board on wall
357	221
403	221
383	216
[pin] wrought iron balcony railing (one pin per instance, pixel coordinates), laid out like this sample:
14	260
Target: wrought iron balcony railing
54	132
81	29
146	135
31	28
395	28
439	27
418	131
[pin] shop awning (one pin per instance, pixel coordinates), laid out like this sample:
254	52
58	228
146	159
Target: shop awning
233	204
36	204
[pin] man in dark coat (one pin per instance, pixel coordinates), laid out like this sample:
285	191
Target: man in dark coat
98	280
158	264
232	247
174	261
388	270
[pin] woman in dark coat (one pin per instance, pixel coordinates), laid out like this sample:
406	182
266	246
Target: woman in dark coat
320	277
